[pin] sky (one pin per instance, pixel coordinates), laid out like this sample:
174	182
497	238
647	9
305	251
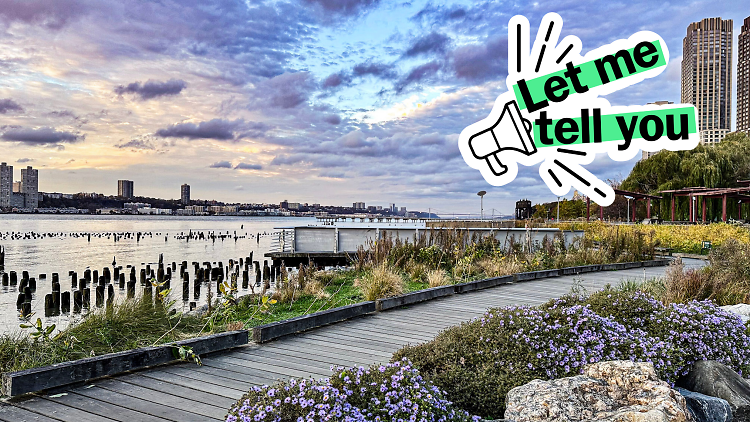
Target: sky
317	101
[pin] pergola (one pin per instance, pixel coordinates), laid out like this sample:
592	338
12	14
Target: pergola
637	196
740	193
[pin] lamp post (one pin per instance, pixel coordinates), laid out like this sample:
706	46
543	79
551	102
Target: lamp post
481	194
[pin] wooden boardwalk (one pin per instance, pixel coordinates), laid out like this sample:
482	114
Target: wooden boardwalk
185	392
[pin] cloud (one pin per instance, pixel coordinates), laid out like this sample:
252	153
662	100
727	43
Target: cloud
336	79
480	62
432	43
24	160
419	73
41	136
6	105
285	91
248	166
344	7
377	69
333	119
221	165
218	129
49	14
152	89
137	144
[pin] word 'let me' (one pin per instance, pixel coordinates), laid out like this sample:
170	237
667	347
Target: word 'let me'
555	87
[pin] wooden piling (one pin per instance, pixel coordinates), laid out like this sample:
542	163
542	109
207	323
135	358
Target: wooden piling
110	295
87	298
32	283
77	301
73	280
13	278
48	307
6	279
99	296
65	302
122	281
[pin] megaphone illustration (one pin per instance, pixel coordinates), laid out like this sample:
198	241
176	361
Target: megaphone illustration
511	132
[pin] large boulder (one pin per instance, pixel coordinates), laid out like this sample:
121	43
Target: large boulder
612	391
718	380
707	408
741	309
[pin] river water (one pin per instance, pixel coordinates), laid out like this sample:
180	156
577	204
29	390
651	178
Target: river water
46	244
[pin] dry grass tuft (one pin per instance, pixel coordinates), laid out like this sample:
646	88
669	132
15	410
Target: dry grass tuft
437	278
379	282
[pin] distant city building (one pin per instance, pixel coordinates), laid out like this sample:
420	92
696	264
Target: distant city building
224	209
393	208
402	211
135	205
185	194
524	209
284	205
359	206
30	187
17	187
125	188
6	185
649	154
707	76
743	77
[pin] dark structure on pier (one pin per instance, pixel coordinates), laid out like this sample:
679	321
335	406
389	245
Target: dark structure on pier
524	209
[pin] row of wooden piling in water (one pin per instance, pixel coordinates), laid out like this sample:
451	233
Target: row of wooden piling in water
208	235
152	281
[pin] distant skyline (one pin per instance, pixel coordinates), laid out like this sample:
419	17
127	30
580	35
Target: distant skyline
327	101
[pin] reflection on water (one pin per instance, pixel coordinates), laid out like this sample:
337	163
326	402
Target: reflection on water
29	246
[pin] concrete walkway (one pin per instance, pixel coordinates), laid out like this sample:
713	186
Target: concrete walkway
185	392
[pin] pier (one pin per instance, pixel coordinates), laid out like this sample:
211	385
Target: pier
186	392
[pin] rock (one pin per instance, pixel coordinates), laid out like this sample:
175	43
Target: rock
607	391
741	309
706	408
715	379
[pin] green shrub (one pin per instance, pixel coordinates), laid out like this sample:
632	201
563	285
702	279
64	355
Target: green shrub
478	362
381	393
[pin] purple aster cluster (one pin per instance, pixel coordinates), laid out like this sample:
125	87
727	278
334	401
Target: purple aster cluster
393	392
558	339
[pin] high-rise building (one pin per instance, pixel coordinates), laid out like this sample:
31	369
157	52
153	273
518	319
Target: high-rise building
30	187
649	154
17	187
707	76
125	188
743	77
359	206
185	194
393	208
6	185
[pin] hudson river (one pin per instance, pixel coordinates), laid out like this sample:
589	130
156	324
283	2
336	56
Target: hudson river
46	244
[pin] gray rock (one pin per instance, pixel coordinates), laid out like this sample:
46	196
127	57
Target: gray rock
715	379
706	408
607	392
741	309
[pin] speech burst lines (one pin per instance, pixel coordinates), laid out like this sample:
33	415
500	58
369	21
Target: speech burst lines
554	112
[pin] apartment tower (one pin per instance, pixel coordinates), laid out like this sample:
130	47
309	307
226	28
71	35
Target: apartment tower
743	77
185	194
6	185
707	76
125	188
30	187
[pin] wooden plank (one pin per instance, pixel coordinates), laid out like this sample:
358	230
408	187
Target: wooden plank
281	355
308	354
359	339
199	385
163	398
191	394
279	369
65	373
291	348
9	413
93	410
212	375
343	348
137	409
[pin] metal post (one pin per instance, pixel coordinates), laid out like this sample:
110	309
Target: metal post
588	208
703	206
558	209
648	208
724	208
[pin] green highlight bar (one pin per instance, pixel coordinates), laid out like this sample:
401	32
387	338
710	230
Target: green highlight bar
608	129
591	75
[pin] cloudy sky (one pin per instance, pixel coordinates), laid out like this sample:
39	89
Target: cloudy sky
329	101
